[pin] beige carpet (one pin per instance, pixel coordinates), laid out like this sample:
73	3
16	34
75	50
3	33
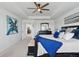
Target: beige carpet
18	50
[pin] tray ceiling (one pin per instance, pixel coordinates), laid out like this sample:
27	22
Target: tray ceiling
57	9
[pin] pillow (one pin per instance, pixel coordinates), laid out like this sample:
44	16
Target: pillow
69	29
68	36
61	35
56	34
76	33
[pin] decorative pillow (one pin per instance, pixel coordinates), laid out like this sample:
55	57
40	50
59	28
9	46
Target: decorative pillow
76	33
56	34
61	35
68	36
69	30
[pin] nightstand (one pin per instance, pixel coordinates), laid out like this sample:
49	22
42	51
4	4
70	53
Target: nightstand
31	51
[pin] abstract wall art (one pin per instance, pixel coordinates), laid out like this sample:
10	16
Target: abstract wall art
11	25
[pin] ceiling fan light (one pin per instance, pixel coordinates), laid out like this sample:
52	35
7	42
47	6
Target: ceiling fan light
39	9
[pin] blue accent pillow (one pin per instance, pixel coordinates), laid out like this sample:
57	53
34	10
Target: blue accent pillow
51	46
56	34
76	33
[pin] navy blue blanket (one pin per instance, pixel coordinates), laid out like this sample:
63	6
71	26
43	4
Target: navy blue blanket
51	46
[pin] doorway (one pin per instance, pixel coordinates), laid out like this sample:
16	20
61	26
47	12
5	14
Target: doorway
29	29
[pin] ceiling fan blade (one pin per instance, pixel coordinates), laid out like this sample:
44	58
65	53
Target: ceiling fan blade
44	5
31	8
34	11
36	4
46	9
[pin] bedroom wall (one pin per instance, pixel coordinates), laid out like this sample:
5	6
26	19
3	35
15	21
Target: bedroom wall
60	21
35	26
24	22
8	40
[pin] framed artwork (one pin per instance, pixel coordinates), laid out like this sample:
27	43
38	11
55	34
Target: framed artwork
29	29
11	25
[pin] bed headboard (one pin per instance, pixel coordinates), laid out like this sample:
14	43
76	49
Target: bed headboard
77	26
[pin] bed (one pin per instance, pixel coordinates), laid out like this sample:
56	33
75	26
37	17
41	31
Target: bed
71	45
68	49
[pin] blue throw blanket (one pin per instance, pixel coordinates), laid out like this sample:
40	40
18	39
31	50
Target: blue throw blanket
51	46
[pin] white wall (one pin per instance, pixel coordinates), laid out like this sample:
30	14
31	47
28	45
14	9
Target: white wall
8	40
24	22
36	26
60	21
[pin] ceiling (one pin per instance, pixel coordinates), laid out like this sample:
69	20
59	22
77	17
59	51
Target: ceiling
57	9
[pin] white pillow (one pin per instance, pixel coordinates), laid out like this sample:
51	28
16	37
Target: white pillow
68	36
41	50
61	35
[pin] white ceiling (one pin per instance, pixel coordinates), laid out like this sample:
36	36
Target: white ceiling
57	9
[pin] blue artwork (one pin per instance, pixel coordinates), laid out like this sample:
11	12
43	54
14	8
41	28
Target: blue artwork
12	25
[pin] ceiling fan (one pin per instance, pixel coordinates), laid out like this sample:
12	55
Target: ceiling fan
40	7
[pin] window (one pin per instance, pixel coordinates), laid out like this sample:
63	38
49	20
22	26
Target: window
44	26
